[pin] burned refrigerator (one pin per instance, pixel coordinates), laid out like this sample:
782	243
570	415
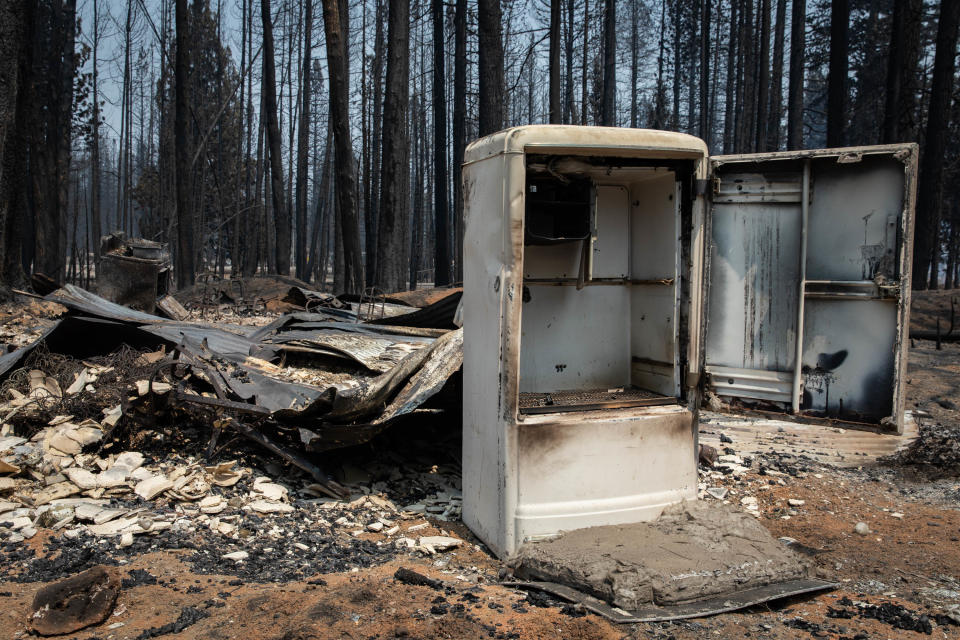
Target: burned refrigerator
594	321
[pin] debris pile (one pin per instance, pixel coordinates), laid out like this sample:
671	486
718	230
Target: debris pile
937	450
21	325
121	432
235	520
305	383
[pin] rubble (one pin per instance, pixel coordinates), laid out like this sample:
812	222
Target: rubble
338	383
154	434
936	450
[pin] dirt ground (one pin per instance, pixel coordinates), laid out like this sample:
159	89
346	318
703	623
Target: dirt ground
908	566
912	561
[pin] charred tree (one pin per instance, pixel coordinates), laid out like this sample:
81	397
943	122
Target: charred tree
660	101
459	121
903	77
372	208
303	142
14	70
392	247
705	71
797	63
608	117
281	214
441	215
185	254
95	230
634	62
930	188
776	80
584	100
348	227
556	109
491	66
570	108
748	100
730	93
837	81
50	133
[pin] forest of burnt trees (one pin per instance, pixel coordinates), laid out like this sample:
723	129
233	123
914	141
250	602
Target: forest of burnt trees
323	138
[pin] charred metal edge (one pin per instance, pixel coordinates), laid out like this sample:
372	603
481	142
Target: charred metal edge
699	609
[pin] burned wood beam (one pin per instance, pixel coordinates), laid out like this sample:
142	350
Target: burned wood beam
220	403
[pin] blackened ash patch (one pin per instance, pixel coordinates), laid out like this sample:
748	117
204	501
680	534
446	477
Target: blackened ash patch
138	577
895	615
273	557
541	600
188	617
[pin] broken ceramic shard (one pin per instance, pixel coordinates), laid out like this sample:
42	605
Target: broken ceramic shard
150	487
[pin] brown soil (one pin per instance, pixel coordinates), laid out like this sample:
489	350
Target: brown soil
909	561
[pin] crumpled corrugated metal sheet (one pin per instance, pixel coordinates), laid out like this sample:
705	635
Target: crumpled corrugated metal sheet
404	367
78	299
377	350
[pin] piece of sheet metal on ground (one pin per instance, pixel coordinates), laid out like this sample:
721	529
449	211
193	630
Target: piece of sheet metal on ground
700	609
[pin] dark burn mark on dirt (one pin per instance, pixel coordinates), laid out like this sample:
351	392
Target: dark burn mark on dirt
137	578
270	559
187	618
895	615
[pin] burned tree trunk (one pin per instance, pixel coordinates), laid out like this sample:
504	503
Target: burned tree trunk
13	69
634	62
837	82
281	214
51	183
930	187
346	184
728	107
584	104
705	71
302	143
797	61
392	248
95	140
660	104
899	118
459	121
556	112
441	261
372	210
570	109
776	81
185	254
491	66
